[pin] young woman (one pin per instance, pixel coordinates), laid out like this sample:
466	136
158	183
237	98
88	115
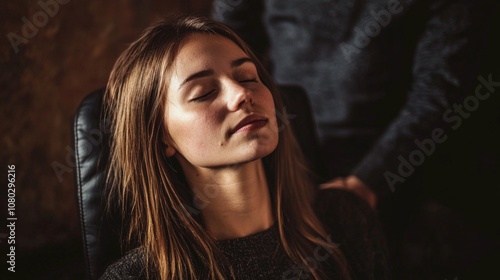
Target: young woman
211	180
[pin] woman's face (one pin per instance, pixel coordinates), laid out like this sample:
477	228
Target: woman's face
218	112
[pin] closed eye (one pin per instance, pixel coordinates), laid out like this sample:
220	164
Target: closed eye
202	97
249	81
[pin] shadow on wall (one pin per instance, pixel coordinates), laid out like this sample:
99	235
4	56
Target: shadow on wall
54	52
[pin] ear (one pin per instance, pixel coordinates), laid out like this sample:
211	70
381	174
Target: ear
170	151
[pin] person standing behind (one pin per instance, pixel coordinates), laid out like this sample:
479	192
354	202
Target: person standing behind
380	75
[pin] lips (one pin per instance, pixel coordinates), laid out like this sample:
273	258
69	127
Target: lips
250	122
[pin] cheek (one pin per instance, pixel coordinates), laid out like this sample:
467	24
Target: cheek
269	106
270	103
193	133
267	97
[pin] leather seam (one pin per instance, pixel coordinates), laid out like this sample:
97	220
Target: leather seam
80	200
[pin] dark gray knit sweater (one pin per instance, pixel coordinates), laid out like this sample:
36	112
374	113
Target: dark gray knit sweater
351	225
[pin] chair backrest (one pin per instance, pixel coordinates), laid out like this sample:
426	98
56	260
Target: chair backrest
101	231
91	139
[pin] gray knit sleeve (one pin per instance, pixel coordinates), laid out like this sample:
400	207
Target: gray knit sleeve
444	72
356	229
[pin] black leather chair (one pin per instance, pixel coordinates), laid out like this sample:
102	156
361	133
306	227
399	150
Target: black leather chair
101	231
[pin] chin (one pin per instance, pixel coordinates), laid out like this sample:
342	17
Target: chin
264	149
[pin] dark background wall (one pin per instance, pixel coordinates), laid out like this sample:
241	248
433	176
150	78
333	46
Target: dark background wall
66	53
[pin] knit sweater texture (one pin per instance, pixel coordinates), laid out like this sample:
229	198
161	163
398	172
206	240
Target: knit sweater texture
350	223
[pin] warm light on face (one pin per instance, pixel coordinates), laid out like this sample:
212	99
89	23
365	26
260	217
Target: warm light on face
218	112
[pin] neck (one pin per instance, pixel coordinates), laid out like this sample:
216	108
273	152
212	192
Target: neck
234	201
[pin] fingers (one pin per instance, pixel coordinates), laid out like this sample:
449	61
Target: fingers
354	185
338	182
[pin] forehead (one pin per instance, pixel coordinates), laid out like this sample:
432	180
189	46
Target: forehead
205	50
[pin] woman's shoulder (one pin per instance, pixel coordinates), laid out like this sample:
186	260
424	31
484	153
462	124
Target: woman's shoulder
355	227
336	205
130	266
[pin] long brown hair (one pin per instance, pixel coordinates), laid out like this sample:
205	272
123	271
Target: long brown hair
151	188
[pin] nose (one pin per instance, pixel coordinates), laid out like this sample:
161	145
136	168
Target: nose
238	96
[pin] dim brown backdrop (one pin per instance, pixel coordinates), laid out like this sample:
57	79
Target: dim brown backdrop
41	85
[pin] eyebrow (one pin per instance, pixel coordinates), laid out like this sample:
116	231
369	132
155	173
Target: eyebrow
240	61
209	72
